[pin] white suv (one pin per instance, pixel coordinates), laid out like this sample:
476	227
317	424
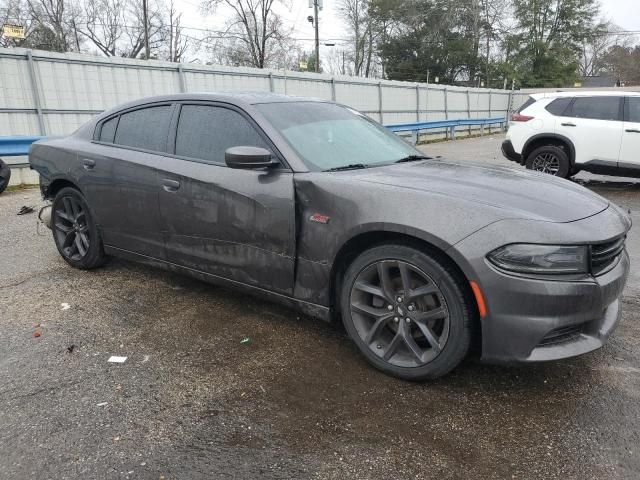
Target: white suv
562	133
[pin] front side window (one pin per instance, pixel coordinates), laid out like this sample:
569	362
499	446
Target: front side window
326	135
205	132
632	110
597	108
146	128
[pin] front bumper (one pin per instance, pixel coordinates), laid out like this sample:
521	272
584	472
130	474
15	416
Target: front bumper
533	320
509	152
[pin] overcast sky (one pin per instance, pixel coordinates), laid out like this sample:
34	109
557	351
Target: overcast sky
624	13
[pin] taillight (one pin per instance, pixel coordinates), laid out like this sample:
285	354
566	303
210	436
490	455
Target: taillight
518	117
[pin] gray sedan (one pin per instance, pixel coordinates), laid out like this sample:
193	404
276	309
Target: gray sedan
314	205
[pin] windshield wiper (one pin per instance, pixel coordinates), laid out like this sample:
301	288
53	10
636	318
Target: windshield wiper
413	158
352	166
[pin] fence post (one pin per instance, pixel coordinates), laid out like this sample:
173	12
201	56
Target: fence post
36	93
271	85
380	100
183	86
333	89
417	102
469	109
446	111
489	111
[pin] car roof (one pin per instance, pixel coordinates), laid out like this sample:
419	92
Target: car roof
585	93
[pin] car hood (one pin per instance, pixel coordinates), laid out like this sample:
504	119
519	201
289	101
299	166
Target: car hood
518	193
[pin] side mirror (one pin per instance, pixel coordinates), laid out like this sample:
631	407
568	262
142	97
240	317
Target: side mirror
249	157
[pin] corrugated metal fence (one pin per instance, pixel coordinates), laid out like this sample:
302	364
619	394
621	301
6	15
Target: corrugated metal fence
45	93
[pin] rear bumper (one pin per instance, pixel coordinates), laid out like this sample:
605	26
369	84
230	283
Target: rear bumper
509	152
534	321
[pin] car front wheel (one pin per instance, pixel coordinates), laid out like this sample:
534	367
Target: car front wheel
74	230
408	311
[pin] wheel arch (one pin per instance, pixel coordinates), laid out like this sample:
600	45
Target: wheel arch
542	139
58	184
362	241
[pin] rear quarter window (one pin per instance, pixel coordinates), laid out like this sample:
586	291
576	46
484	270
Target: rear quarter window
108	130
558	106
530	101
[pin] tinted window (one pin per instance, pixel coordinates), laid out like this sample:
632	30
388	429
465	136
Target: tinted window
598	108
146	128
206	132
632	109
530	101
108	130
558	106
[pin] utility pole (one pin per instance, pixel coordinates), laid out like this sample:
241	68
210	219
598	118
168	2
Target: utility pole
145	17
317	21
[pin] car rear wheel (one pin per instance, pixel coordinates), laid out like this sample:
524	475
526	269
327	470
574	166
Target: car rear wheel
407	311
5	175
549	159
74	230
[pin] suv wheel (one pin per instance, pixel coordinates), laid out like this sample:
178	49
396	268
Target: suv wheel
549	159
407	311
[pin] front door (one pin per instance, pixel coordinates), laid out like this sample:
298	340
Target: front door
630	149
237	224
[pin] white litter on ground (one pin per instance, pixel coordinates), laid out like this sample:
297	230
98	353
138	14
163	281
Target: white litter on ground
115	359
65	306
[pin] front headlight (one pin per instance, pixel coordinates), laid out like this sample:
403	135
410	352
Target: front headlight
541	259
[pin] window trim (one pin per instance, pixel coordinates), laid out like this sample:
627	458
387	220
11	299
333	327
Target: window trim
173	134
98	129
620	98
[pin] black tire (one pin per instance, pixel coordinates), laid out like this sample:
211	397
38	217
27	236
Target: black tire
452	336
5	176
549	159
74	230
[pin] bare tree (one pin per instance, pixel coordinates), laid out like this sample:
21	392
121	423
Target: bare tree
177	42
257	35
595	46
364	30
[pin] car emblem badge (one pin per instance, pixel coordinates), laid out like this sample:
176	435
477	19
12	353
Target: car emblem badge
319	218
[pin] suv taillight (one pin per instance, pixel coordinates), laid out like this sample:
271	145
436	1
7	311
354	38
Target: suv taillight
518	117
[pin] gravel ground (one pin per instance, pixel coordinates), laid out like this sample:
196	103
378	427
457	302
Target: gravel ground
296	401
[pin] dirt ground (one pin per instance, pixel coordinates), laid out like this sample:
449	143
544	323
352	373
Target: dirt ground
196	400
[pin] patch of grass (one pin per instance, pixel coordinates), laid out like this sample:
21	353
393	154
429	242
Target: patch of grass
22	186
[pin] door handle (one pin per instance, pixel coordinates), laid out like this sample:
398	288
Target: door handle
170	185
568	124
632	130
88	164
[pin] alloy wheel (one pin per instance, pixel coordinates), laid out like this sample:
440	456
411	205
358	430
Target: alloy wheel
399	313
71	228
546	163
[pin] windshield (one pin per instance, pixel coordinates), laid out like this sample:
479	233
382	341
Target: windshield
329	136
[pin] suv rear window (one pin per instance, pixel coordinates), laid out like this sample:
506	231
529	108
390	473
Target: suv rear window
597	108
558	106
530	101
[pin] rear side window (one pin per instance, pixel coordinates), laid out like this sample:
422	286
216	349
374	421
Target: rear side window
108	130
632	109
558	106
206	132
597	108
530	101
146	128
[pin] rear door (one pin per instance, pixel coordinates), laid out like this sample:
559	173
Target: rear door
630	148
120	174
237	224
594	125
